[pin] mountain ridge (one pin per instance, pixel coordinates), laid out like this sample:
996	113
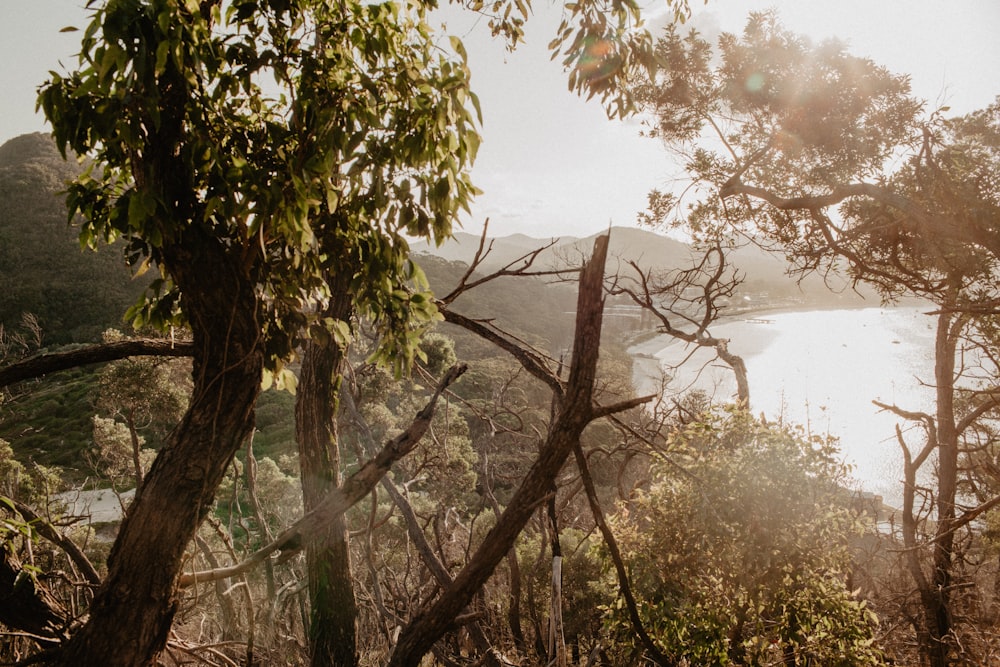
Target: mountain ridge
763	272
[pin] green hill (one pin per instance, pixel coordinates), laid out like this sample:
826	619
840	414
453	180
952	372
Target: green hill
76	294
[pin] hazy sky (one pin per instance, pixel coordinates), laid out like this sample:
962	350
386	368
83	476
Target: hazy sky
551	164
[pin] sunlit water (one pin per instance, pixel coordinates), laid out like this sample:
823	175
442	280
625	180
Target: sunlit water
822	369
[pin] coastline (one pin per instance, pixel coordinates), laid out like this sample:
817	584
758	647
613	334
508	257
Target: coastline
651	342
818	367
650	354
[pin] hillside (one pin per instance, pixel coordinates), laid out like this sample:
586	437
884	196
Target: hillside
76	294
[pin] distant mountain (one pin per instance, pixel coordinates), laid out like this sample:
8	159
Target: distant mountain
646	249
76	294
462	247
763	272
626	243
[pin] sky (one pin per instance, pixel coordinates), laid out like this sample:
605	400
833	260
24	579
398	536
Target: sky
551	163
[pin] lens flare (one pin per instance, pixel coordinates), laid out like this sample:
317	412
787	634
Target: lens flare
755	82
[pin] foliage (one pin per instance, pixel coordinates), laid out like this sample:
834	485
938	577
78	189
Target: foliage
49	421
112	453
148	394
771	108
830	159
370	138
277	492
740	555
28	484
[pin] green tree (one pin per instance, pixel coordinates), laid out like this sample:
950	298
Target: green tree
149	396
739	551
258	209
235	197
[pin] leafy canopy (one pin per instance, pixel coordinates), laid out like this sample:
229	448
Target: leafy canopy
772	109
305	136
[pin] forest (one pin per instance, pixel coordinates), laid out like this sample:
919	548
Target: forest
327	441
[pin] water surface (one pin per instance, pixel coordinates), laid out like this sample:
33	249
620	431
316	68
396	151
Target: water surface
823	369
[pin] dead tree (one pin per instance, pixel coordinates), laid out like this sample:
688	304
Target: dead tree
576	410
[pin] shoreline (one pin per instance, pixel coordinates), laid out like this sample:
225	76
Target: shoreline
651	341
816	366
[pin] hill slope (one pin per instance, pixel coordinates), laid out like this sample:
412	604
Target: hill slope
76	294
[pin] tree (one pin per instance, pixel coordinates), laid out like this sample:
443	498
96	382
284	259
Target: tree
232	194
830	160
575	410
148	395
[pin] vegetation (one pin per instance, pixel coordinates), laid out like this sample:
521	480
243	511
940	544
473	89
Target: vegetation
740	551
44	271
320	521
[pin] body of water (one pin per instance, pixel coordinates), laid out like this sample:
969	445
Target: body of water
822	369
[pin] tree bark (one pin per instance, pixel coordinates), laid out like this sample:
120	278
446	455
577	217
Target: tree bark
333	614
133	609
576	411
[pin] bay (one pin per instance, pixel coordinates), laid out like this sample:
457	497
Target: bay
821	369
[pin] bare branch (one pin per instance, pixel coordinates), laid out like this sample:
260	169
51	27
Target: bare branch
575	412
930	425
531	360
48	531
616	557
517	267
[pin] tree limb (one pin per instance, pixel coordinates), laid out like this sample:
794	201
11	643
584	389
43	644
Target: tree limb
616	557
43	364
529	359
575	412
48	531
516	267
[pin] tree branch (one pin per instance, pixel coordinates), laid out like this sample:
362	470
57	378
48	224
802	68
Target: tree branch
616	557
575	412
518	267
529	359
48	531
43	364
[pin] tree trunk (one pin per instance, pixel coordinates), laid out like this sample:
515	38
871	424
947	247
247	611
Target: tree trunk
937	602
333	618
557	641
134	608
